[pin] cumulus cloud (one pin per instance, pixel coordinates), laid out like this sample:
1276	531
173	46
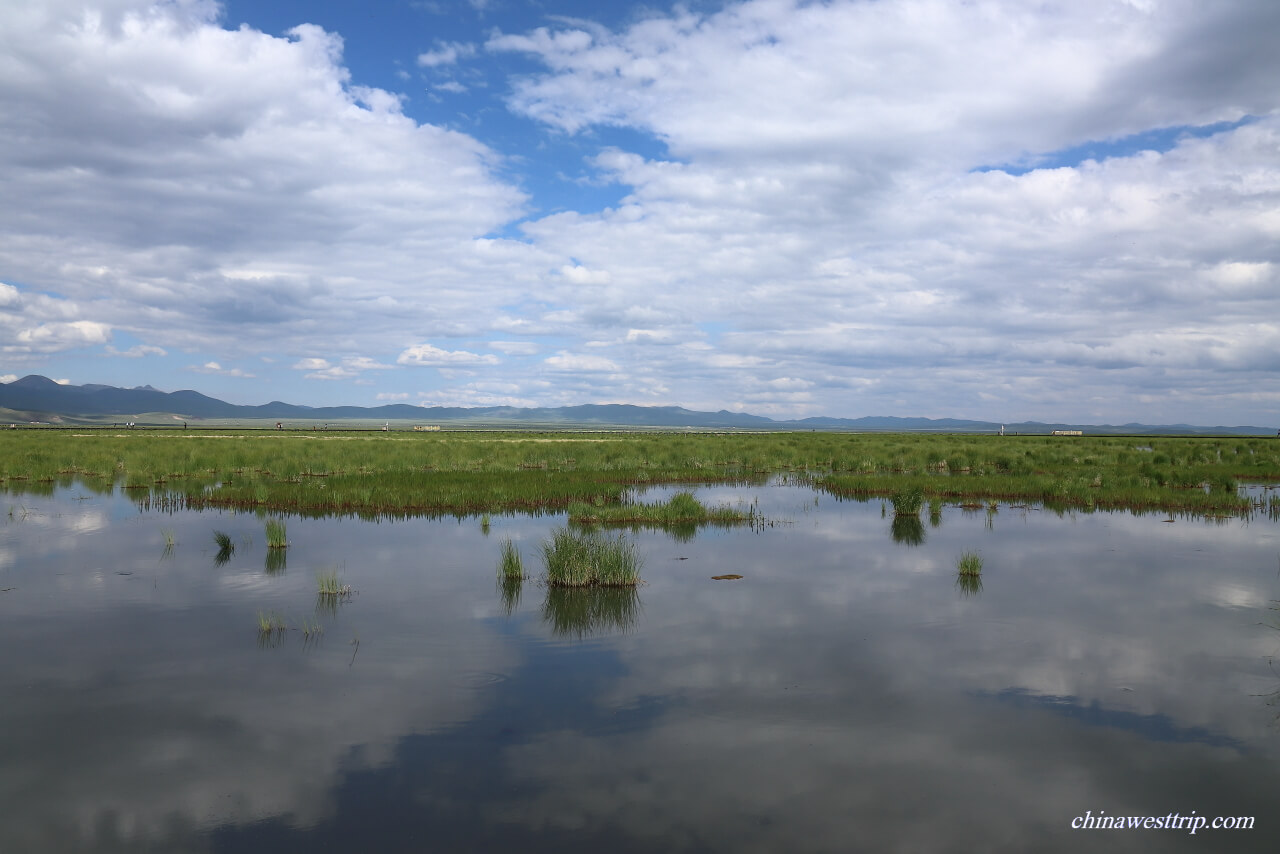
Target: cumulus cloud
136	352
479	394
828	209
228	189
579	275
52	337
446	53
990	210
39	324
428	355
349	367
564	361
890	81
514	348
215	368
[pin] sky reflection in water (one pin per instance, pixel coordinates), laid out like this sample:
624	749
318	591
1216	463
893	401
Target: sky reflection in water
845	694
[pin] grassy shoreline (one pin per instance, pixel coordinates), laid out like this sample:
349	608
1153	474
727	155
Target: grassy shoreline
467	473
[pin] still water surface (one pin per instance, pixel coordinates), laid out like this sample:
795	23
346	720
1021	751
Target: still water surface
844	695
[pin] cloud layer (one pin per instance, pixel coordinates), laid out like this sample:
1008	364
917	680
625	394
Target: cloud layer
910	207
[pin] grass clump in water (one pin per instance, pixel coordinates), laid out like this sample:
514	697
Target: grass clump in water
512	565
276	538
907	502
271	623
330	584
970	564
588	559
226	548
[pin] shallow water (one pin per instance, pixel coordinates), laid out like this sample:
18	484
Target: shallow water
845	694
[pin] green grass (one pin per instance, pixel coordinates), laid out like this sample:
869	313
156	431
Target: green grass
683	508
226	548
511	564
407	474
590	559
907	502
276	538
329	584
970	563
270	623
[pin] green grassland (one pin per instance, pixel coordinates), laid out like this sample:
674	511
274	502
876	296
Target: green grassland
403	473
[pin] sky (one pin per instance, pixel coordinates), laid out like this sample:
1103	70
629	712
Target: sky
1065	210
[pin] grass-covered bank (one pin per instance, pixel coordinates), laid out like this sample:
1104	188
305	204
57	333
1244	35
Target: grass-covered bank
683	508
464	473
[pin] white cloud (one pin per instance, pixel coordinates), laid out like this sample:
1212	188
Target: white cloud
515	348
215	368
649	335
232	191
137	351
8	378
53	337
446	53
580	275
564	361
392	396
478	394
825	212
426	354
819	214
350	367
884	82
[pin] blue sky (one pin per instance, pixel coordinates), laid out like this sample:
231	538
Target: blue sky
992	210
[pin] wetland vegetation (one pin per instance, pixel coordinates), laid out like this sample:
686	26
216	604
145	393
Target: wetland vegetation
276	534
590	559
511	565
593	475
970	563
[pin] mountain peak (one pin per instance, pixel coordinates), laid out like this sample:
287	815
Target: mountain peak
34	381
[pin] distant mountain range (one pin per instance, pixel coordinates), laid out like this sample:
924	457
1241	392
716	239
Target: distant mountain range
39	398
